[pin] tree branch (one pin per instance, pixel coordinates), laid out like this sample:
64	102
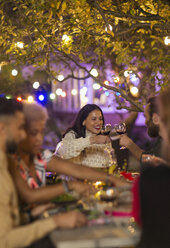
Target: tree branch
125	96
149	17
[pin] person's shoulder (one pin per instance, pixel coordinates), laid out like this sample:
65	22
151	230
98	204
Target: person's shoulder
71	133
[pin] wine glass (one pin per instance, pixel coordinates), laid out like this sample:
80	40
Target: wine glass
120	129
106	129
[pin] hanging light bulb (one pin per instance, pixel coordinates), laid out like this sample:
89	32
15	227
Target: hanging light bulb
74	92
134	91
58	91
66	38
36	85
60	77
20	44
19	98
94	72
167	40
52	96
96	86
14	72
30	99
63	94
41	97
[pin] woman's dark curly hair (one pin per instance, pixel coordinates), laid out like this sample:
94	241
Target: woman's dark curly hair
78	127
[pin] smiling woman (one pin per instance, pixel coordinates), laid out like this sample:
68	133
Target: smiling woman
83	143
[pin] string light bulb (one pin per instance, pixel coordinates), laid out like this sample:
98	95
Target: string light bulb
59	91
94	72
14	72
19	98
20	44
96	86
167	40
74	92
52	96
30	99
60	77
134	91
63	94
36	85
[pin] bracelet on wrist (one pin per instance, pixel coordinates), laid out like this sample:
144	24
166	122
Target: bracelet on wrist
107	180
66	187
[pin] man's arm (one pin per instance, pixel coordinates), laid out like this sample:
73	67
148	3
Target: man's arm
131	146
130	120
23	236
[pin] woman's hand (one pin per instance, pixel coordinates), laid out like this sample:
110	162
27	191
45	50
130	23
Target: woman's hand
118	182
125	141
100	139
152	160
82	189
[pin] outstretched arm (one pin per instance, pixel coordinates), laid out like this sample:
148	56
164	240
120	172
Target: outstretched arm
62	166
130	120
131	146
43	194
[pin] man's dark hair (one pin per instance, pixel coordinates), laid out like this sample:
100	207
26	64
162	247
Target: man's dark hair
153	105
9	106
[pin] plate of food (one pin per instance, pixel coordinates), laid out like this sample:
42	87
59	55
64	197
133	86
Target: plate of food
64	199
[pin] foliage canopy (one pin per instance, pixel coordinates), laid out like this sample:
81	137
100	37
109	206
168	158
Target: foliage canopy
89	33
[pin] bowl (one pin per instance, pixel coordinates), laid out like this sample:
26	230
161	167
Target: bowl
109	194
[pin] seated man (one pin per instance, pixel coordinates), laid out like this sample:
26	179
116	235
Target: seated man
152	121
155	189
11	233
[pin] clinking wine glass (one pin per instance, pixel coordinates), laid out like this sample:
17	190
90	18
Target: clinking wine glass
120	129
106	129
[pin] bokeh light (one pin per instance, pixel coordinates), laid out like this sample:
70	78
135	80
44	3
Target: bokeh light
58	92
63	94
36	85
74	92
41	97
60	77
19	98
14	72
30	99
96	86
52	96
167	40
20	44
94	72
134	91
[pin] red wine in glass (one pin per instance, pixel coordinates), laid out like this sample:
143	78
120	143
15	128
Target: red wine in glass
106	129
120	129
120	132
106	133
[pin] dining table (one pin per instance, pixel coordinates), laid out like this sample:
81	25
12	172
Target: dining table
113	227
118	232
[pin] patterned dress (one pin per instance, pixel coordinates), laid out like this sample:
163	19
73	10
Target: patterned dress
80	151
40	161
